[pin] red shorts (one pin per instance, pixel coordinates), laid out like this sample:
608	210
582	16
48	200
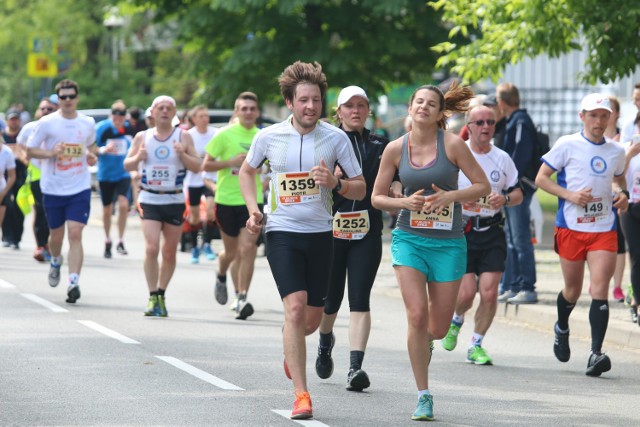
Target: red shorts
574	245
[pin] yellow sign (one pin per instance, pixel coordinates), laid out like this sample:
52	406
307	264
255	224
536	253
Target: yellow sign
41	60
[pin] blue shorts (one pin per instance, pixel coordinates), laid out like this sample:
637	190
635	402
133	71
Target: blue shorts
440	260
59	209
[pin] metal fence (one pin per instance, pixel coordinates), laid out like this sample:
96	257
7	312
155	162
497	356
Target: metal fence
555	111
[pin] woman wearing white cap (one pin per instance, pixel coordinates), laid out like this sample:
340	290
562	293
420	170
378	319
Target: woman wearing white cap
357	243
429	250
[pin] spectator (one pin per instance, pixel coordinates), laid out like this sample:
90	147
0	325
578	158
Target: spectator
519	278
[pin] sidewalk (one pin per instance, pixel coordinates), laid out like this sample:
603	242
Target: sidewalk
621	332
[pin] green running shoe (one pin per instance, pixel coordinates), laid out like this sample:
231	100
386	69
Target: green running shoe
450	341
424	409
162	308
477	355
153	308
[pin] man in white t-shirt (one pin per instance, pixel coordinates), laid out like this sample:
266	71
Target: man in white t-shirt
65	141
590	184
486	241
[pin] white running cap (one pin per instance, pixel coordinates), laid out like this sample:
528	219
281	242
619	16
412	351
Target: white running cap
595	101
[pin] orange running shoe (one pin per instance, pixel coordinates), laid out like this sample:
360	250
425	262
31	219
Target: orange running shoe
302	407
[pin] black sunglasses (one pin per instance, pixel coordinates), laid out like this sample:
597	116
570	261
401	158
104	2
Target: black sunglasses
489	122
118	112
49	109
65	97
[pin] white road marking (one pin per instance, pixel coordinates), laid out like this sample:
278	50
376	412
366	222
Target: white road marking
108	332
308	423
198	373
6	285
43	302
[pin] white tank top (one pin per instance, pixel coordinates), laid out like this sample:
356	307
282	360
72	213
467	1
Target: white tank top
163	170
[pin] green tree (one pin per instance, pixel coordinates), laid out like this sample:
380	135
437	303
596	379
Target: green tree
77	26
500	32
240	45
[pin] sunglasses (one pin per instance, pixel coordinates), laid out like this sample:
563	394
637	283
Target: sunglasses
49	109
119	112
65	97
489	122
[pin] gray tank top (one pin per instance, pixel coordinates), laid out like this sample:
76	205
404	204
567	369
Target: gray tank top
440	172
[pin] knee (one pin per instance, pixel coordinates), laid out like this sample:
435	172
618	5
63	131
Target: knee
75	235
439	331
418	319
489	296
168	254
296	312
152	250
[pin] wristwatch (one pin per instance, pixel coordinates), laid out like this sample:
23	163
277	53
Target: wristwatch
338	186
507	199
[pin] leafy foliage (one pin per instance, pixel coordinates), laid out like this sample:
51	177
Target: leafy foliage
499	32
245	44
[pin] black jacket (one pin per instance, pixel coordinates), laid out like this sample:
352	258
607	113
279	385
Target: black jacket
369	159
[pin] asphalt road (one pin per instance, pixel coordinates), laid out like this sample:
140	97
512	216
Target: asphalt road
100	362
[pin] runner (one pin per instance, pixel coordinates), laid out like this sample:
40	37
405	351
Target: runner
201	133
302	153
225	154
428	245
40	226
64	140
8	166
357	247
486	241
113	138
163	154
587	165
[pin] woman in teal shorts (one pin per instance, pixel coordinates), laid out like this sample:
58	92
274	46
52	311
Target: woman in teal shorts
429	250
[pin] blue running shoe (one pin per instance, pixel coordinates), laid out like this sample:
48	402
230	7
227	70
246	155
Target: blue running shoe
208	252
424	409
195	255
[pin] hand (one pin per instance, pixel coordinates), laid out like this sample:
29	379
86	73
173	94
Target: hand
142	153
254	223
620	201
323	176
237	161
415	202
581	197
436	201
58	150
178	146
497	200
91	159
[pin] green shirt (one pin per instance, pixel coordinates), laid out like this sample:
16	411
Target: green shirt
226	144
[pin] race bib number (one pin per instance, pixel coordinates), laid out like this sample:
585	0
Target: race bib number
71	159
433	221
119	146
481	206
351	225
72	150
161	175
596	210
297	187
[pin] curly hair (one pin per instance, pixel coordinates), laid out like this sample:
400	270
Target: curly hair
455	100
301	72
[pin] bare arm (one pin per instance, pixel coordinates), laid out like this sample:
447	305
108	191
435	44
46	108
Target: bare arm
544	181
187	152
137	153
247	180
11	179
620	200
212	165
